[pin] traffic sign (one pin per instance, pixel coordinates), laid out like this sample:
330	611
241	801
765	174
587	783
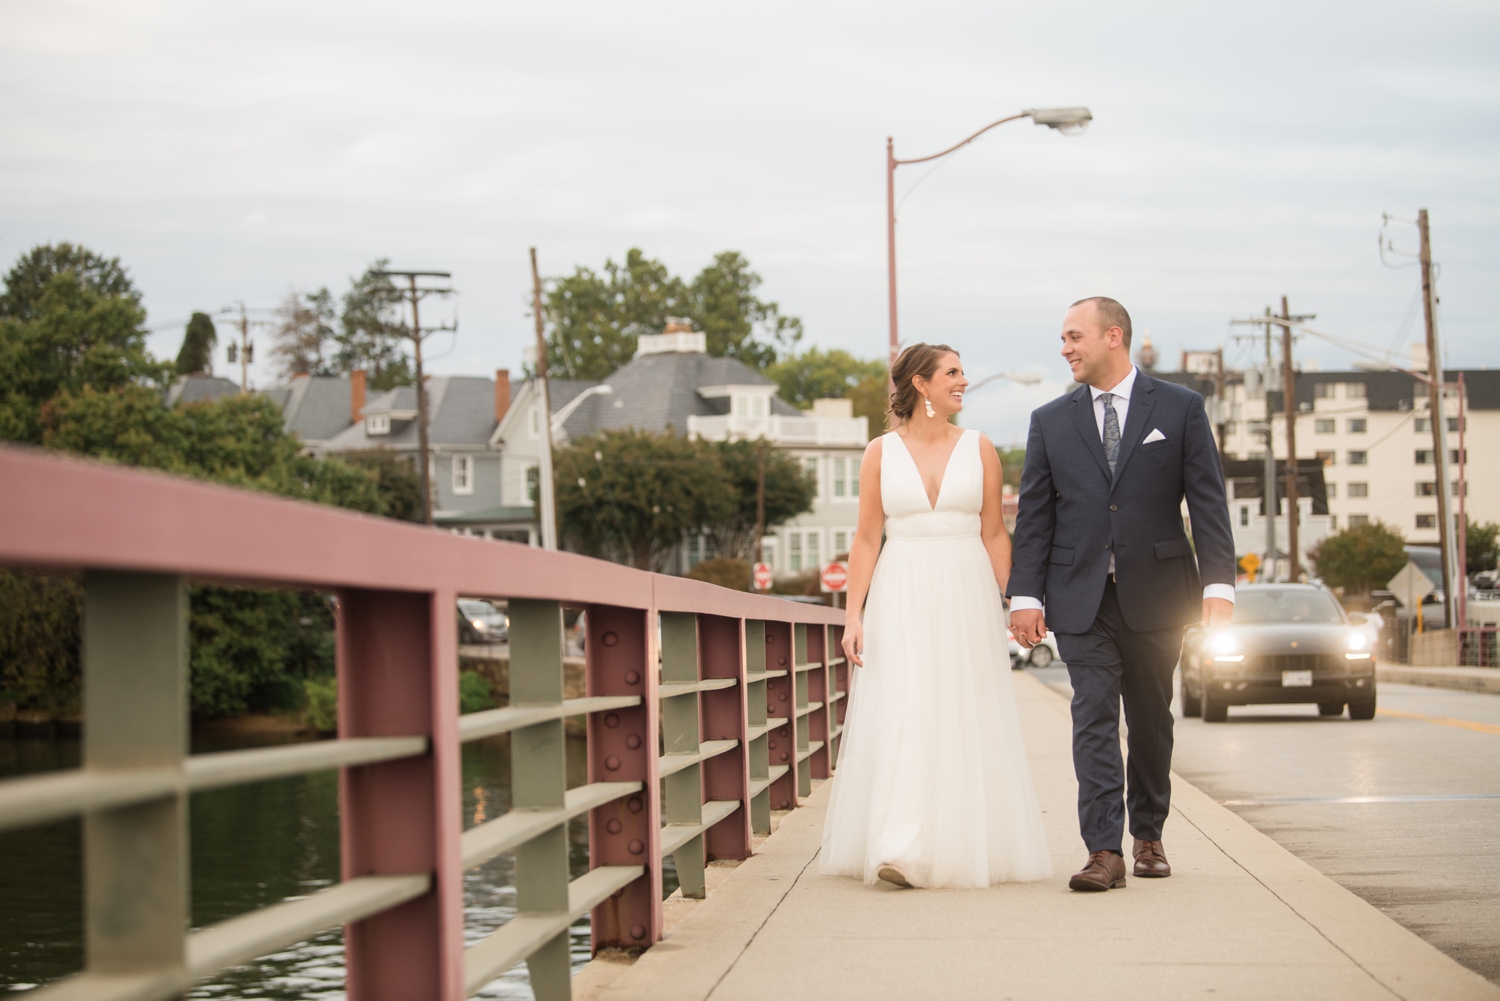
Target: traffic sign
835	576
1250	563
761	576
1410	585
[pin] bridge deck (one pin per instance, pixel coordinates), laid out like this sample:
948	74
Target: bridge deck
1241	918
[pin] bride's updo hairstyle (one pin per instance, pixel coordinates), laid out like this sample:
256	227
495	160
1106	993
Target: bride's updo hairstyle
917	360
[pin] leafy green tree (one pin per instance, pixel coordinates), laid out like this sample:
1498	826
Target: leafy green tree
304	334
70	336
26	282
372	334
396	481
1482	540
1012	460
817	374
630	496
39	659
733	574
197	353
595	318
789	492
871	395
1361	558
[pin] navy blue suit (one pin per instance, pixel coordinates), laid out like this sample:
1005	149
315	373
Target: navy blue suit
1122	638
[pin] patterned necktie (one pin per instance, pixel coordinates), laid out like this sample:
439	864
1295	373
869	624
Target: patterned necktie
1111	430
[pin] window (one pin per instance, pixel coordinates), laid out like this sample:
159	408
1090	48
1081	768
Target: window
1326	458
530	480
1454	457
841	542
1459	489
1428	489
810	540
750	406
1244	515
1333	490
840	479
378	424
1359	458
810	467
1421	425
463	474
1356	520
794	551
1424	456
854	475
1355	390
1325	425
1453	423
1427	521
1359	490
1357	425
1323	390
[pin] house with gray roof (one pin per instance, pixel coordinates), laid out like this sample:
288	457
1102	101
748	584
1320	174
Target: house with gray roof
317	407
199	388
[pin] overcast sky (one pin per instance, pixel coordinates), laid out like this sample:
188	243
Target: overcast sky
1239	152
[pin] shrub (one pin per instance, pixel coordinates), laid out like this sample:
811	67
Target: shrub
1361	558
474	692
733	574
322	712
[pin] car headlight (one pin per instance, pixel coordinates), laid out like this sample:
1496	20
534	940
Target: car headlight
479	624
1226	648
1358	646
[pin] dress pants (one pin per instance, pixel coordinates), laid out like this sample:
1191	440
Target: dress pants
1109	662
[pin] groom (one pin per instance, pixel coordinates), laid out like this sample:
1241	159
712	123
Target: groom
1100	542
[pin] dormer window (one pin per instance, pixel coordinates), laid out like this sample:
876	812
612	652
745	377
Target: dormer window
746	405
378	424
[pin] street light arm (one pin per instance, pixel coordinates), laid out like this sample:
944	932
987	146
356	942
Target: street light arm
950	149
561	417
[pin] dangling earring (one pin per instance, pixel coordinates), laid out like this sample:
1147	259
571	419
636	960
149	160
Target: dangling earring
930	411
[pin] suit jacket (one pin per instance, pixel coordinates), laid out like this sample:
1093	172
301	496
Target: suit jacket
1073	514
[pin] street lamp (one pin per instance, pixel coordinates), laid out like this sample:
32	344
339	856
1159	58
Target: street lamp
561	417
1024	378
1068	121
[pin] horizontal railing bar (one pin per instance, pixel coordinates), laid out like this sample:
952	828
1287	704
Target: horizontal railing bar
475	726
37	799
810	707
524	934
484	841
777	771
758	786
671	764
674	836
210	771
687	688
814	746
241	939
766	675
774	721
810	666
757	731
836	696
835	661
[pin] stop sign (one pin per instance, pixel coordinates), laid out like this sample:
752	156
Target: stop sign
835	576
761	576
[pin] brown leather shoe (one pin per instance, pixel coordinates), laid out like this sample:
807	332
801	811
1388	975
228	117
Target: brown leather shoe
1150	860
1104	871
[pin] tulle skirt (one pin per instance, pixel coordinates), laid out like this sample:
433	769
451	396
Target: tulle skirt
932	771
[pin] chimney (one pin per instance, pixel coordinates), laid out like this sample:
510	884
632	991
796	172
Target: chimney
502	393
356	395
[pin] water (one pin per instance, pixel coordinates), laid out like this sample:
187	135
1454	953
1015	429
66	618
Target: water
252	845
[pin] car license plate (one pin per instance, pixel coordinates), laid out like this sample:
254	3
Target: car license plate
1296	679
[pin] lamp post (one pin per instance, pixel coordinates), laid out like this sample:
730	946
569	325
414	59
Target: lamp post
1068	121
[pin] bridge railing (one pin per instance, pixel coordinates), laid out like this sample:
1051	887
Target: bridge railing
706	709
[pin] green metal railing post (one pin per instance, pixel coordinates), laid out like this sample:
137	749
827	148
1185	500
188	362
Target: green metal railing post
755	705
538	766
135	857
683	801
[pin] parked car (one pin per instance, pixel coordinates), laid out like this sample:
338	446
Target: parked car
479	621
1041	655
1288	643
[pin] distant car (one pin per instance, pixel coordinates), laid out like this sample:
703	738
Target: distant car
479	621
1287	643
1041	655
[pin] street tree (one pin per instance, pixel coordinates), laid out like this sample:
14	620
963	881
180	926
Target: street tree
631	496
1482	541
304	334
372	334
736	322
789	491
1361	558
817	374
197	354
26	282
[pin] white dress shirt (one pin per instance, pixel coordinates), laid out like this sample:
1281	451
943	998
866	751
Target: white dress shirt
1120	400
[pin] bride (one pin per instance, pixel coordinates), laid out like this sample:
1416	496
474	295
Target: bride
933	786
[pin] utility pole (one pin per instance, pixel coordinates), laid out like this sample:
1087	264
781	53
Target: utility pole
760	497
1289	400
1270	473
415	295
547	499
1452	586
1222	405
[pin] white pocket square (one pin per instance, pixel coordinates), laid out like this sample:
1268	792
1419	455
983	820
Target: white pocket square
1155	435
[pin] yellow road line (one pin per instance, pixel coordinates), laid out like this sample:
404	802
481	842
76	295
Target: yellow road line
1462	724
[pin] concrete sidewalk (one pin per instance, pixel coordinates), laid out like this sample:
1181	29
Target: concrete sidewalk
1460	679
1240	918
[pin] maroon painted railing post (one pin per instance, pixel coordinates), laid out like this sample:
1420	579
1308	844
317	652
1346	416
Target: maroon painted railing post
781	714
721	648
397	667
621	653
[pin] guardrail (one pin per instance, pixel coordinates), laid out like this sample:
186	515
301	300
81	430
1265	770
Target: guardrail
706	709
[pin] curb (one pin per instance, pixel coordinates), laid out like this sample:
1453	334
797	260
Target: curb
1460	679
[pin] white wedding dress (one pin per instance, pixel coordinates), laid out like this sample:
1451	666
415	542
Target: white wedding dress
932	775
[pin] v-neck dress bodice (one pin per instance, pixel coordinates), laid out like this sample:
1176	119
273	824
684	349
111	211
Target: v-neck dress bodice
932	773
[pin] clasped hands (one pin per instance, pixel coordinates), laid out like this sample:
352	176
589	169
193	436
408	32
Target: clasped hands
1029	625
